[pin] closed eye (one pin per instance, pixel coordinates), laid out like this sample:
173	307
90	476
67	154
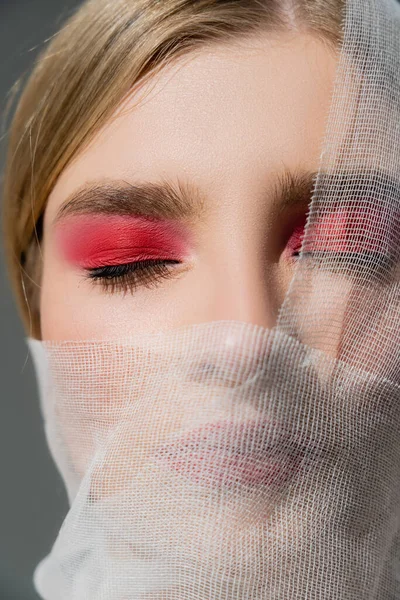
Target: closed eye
129	277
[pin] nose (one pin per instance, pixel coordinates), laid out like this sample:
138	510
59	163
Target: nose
237	283
236	352
245	294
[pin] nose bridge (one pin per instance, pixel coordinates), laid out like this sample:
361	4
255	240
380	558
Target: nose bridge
242	276
244	295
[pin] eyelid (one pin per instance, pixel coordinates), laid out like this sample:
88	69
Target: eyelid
88	241
355	227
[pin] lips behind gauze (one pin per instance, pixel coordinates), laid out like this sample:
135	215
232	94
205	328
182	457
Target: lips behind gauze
165	496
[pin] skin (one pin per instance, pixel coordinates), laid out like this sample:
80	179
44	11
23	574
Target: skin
231	119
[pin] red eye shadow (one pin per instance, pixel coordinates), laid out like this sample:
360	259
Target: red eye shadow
92	241
296	238
357	229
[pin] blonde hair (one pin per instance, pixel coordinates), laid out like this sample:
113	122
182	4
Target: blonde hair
87	70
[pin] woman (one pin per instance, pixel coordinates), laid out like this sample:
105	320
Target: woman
202	223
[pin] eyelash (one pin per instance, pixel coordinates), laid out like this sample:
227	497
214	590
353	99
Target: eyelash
130	276
150	273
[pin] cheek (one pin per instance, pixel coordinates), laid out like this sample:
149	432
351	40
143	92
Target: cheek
321	306
71	309
62	309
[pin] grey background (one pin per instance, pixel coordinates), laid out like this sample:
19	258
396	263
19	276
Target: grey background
32	497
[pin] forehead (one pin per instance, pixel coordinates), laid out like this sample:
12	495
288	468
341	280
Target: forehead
219	116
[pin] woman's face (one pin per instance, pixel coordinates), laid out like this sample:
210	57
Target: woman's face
235	133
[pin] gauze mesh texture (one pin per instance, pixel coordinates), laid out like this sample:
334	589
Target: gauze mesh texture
220	460
224	460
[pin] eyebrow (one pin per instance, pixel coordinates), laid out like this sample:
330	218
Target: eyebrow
184	201
159	200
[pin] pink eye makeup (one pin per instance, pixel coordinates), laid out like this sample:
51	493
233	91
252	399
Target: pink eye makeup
297	235
93	241
356	236
123	253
